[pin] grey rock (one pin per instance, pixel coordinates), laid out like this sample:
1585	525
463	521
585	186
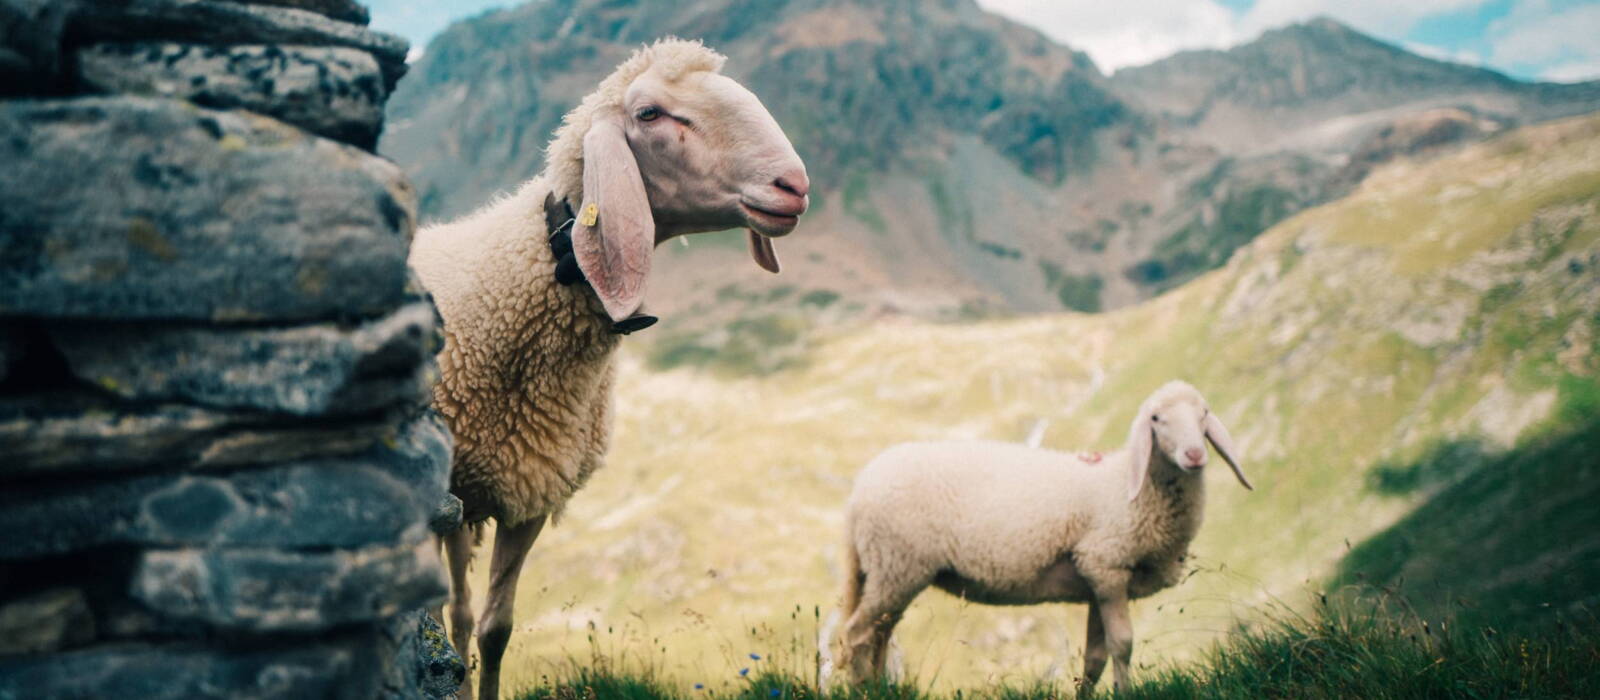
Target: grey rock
383	496
10	349
447	516
305	370
328	667
267	590
343	10
65	433
32	32
318	504
230	23
30	45
420	456
439	669
335	92
145	208
45	621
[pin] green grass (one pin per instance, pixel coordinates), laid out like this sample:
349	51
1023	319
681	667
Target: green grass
1357	647
1507	540
1358	650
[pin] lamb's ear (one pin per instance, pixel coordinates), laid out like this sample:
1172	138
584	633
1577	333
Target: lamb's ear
615	231
1217	433
1141	439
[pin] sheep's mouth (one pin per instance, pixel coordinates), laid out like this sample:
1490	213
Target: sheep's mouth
768	222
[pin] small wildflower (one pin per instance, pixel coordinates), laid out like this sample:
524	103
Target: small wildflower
773	693
744	671
755	657
699	686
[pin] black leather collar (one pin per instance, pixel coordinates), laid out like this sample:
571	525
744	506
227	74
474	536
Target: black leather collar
558	220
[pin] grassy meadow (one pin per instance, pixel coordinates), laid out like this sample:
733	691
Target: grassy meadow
1410	374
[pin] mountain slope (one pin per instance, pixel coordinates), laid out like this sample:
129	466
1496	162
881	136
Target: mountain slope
1322	85
963	164
1449	301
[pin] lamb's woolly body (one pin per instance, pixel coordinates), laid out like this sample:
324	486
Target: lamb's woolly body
995	521
1000	523
527	365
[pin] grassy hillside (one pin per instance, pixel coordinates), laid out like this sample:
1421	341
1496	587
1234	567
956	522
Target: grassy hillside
1446	308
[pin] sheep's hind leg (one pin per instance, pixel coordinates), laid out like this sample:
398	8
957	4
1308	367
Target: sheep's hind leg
1094	651
868	631
458	551
511	544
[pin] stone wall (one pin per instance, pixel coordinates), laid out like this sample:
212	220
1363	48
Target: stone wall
217	477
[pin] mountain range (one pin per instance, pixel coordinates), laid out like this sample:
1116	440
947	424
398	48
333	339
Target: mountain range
964	164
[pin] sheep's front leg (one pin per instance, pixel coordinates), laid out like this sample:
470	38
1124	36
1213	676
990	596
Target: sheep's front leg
511	544
1111	600
1094	650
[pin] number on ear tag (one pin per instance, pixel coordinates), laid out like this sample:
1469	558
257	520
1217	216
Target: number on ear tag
590	215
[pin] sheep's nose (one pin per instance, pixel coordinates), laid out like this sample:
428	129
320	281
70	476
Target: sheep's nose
1195	455
794	182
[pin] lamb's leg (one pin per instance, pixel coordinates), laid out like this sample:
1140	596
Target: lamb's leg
511	546
1094	650
868	631
458	551
1111	597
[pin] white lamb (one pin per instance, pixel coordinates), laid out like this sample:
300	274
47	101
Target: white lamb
1005	524
663	147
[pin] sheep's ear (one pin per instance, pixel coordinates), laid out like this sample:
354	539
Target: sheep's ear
1140	442
1217	433
615	231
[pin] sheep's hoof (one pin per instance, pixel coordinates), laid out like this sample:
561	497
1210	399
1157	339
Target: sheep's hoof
633	323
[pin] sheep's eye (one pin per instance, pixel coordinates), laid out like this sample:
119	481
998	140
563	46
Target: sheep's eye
649	114
1155	418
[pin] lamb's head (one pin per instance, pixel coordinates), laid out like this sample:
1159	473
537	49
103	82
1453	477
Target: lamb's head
667	146
1174	425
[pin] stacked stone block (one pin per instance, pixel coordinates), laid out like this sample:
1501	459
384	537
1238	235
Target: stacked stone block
217	474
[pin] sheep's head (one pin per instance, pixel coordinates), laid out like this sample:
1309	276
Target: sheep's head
1175	423
670	146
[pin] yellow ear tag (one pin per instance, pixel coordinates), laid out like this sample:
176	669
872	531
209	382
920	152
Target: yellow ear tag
590	215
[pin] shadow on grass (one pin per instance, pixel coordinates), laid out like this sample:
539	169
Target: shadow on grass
1512	540
1443	463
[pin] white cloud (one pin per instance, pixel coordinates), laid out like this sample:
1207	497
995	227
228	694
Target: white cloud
1564	44
1573	71
1127	32
1134	32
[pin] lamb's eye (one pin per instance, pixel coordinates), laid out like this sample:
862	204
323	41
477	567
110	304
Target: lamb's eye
1155	418
649	114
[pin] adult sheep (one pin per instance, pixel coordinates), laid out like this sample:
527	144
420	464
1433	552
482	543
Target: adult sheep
665	146
1005	524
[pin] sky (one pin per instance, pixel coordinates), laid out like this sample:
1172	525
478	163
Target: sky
1556	40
